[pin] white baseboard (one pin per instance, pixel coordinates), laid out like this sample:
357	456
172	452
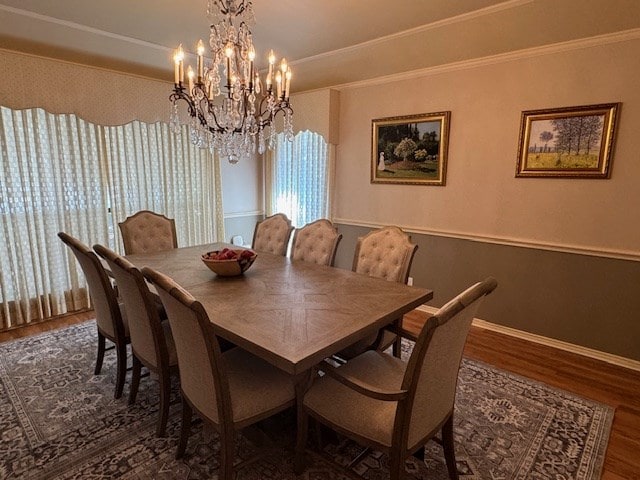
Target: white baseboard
550	342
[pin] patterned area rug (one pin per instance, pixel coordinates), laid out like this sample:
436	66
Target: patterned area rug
58	420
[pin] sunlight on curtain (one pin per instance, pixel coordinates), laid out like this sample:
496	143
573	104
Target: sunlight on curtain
51	180
60	173
299	178
152	169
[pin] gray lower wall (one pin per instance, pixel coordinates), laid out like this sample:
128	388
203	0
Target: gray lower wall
585	300
241	225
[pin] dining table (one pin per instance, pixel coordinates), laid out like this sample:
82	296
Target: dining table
292	314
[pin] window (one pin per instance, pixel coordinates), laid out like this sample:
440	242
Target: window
150	168
299	178
61	173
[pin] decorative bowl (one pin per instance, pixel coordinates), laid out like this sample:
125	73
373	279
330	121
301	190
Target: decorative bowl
237	264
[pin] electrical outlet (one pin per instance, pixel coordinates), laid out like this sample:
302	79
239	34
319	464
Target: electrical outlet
410	281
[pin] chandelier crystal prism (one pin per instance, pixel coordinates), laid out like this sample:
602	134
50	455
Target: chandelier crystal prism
229	106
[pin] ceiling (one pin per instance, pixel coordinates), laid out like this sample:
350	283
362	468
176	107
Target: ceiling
328	42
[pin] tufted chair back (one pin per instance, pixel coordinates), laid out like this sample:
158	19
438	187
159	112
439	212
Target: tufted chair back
316	242
148	232
385	253
272	234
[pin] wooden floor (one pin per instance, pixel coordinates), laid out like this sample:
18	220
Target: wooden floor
615	386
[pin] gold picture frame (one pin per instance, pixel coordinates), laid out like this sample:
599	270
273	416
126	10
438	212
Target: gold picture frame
410	150
568	142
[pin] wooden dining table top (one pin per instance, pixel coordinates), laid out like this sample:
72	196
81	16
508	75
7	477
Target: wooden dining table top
291	314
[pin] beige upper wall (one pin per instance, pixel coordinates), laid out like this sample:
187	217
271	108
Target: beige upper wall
318	111
482	197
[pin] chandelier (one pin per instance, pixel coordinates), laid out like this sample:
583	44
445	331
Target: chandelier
229	106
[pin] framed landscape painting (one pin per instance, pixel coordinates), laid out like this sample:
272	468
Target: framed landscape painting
574	142
410	150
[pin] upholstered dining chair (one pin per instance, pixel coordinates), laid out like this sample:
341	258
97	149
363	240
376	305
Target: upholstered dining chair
152	343
316	242
272	234
383	253
393	405
229	390
111	318
148	232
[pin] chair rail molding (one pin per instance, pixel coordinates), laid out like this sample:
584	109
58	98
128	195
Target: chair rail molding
617	254
250	213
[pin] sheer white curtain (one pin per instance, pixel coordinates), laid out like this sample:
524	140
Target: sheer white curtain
152	169
60	173
51	180
298	178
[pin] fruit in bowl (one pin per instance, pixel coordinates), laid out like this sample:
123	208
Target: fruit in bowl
229	262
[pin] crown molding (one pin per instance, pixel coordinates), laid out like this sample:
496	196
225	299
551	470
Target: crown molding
83	28
509	4
561	47
617	254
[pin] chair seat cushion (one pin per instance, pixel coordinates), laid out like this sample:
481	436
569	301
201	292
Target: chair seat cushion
344	407
255	386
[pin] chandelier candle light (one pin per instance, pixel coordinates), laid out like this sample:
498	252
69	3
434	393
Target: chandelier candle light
231	111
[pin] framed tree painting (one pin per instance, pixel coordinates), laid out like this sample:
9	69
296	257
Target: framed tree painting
410	150
574	142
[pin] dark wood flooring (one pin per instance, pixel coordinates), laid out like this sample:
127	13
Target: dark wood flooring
610	384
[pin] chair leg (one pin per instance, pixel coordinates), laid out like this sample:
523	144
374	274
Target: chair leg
165	393
449	451
396	465
227	447
397	343
301	441
397	347
135	380
185	429
121	355
419	454
100	357
319	434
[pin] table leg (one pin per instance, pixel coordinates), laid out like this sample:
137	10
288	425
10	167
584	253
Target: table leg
302	384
